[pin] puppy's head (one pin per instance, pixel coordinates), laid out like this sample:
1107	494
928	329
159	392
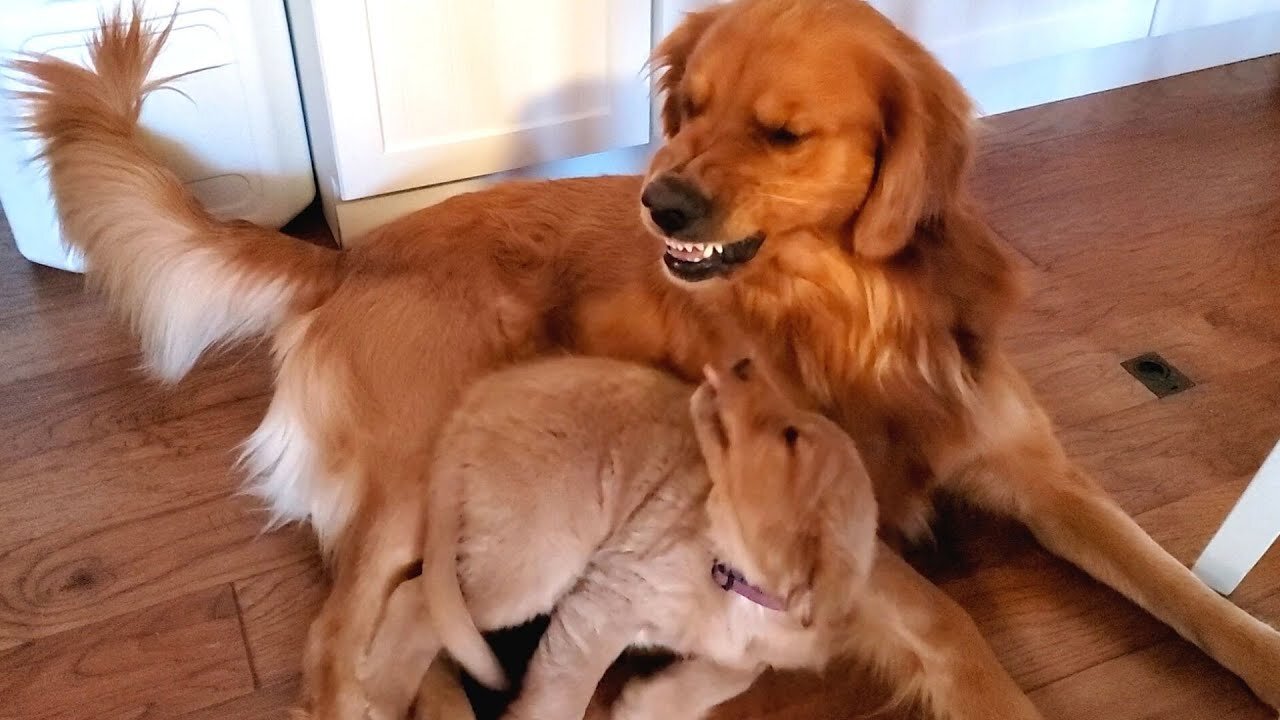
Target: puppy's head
798	122
791	504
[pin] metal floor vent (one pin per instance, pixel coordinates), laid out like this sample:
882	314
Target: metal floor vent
1153	371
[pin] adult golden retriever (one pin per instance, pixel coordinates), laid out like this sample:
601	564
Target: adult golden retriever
811	189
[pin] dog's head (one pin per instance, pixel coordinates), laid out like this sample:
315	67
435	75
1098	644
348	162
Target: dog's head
798	121
791	504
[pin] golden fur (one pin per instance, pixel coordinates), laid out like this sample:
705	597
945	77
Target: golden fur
578	487
814	125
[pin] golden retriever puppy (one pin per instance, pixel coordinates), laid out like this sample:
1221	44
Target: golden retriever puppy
578	487
810	188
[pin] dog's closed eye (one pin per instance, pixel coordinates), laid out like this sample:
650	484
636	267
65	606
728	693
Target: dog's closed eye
690	109
780	136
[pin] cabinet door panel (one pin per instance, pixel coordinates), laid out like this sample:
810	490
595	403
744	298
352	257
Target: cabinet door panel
439	90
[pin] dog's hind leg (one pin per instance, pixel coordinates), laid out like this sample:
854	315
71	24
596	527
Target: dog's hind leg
589	629
441	696
402	650
376	555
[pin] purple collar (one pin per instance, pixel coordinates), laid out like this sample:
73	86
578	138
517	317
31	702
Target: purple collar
730	579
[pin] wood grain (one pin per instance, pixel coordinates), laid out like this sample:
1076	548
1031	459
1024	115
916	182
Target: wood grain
60	338
1168	680
26	287
162	662
123	476
67	580
1244	82
276	607
267	703
105	398
1156	453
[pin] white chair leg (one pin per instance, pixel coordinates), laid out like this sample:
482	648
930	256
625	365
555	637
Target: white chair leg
1250	529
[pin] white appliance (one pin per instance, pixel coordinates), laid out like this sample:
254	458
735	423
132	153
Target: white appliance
232	128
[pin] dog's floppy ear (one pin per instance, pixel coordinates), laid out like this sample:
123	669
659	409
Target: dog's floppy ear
669	59
924	150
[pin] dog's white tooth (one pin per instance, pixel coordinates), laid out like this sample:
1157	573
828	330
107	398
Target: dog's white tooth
707	250
717	248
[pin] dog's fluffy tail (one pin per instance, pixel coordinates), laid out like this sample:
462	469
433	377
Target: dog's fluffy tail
184	280
442	591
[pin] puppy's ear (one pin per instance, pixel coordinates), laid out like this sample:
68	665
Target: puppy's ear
669	59
924	150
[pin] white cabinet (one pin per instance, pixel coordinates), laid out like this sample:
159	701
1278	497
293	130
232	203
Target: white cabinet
419	92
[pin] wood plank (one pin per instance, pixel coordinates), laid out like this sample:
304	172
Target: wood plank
60	338
101	398
128	475
1093	193
158	662
1113	111
277	608
1208	267
1076	378
1169	680
271	702
68	580
1158	452
26	287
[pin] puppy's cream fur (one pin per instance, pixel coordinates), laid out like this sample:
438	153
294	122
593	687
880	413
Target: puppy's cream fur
601	492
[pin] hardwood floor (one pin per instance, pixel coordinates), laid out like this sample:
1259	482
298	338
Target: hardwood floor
134	583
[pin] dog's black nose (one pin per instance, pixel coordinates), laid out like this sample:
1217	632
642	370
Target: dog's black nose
675	204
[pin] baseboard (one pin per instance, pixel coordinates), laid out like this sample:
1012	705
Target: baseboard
995	90
1051	79
355	218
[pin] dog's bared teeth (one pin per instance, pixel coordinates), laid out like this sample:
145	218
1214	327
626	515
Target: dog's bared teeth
707	251
717	248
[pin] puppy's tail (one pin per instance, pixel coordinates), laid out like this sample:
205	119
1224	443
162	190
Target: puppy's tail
184	280
443	593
